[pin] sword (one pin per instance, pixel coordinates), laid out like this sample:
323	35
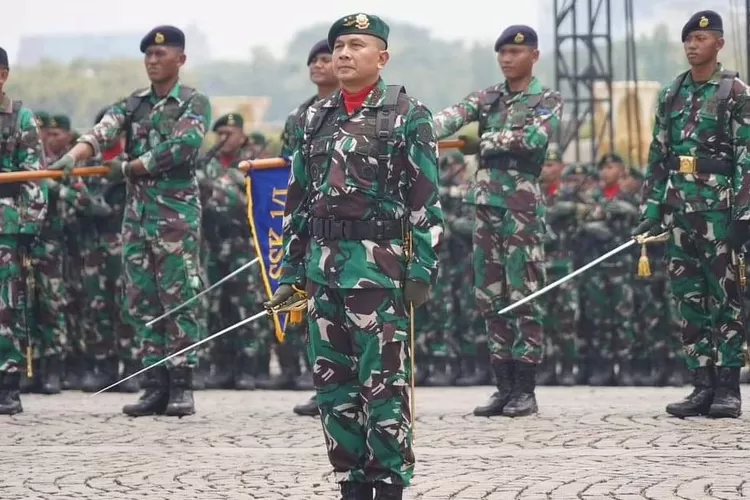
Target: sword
188	348
204	292
640	239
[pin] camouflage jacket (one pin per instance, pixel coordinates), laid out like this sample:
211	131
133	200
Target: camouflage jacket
609	224
565	209
167	140
693	123
218	164
226	205
512	128
23	213
336	177
287	135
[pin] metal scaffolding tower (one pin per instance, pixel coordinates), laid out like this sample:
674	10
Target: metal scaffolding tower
583	56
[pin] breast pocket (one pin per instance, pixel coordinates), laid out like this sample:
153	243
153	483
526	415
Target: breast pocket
317	160
519	117
362	170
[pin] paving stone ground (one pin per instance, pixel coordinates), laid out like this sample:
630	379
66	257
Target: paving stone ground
608	443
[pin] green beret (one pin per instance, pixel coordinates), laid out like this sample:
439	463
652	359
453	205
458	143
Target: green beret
166	36
574	169
42	119
360	24
705	20
229	120
553	155
59	121
258	139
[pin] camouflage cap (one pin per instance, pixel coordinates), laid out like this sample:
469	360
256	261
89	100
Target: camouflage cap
229	120
165	36
705	20
518	34
59	121
319	48
361	24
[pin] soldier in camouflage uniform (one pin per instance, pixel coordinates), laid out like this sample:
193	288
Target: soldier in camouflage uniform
609	296
230	246
699	162
22	209
364	173
516	120
165	125
561	305
320	67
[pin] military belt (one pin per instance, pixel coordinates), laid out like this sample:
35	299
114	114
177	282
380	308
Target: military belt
693	165
510	162
332	229
10	190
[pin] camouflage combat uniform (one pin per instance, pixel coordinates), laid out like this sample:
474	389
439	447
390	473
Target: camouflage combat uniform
514	132
352	194
23	208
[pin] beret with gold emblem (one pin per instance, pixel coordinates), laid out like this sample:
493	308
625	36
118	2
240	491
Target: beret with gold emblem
518	34
705	20
59	121
165	36
359	24
229	120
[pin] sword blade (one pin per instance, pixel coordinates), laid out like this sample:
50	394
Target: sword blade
569	277
204	292
188	348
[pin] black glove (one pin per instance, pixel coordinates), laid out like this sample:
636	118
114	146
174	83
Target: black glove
416	292
739	234
645	227
471	145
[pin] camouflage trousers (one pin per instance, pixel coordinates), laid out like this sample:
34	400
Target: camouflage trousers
508	261
161	270
106	335
703	279
438	318
72	291
237	299
358	347
470	326
12	329
656	329
49	328
610	308
562	314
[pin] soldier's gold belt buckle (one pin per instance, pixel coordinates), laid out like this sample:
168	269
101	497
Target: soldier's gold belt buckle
687	164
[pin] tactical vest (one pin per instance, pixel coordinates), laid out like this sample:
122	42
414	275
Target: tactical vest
706	165
138	108
9	146
379	128
491	102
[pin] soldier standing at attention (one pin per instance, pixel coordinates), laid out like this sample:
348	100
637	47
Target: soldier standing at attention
364	179
698	162
23	207
165	124
516	119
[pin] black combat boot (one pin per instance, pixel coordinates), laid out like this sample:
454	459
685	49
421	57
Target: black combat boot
50	375
200	374
385	491
504	372
307	409
244	373
680	376
289	364
99	374
129	367
439	375
10	393
263	365
72	373
221	376
625	377
522	399
567	377
546	373
356	491
180	402
305	381
602	371
699	401
727	401
155	395
468	371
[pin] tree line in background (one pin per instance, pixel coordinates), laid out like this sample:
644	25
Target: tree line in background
436	71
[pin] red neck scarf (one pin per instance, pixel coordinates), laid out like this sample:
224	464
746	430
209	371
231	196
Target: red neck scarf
113	152
354	101
611	191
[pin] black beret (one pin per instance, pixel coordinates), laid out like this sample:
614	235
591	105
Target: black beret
364	24
231	120
167	36
59	121
518	34
705	20
319	48
3	58
610	158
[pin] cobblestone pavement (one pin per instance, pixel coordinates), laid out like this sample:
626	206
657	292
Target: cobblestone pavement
613	443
